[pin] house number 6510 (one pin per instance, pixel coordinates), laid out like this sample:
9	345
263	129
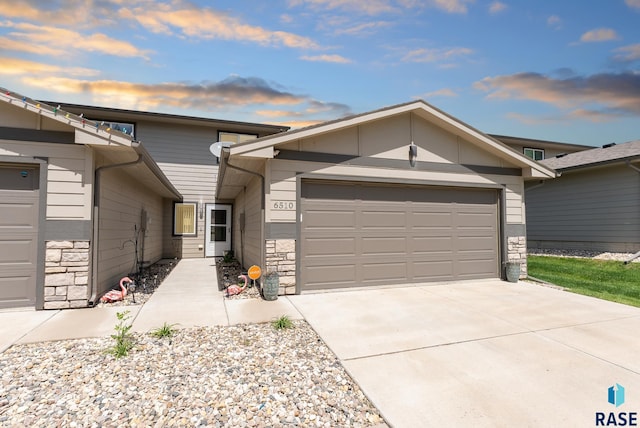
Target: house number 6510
284	205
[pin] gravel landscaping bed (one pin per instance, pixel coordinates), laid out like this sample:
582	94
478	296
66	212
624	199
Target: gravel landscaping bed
234	376
588	254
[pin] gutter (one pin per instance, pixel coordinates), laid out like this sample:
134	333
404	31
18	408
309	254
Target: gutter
95	222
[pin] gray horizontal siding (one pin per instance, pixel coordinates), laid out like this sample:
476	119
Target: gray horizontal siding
182	153
596	206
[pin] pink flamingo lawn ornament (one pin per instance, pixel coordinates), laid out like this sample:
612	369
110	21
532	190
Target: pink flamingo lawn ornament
234	289
115	295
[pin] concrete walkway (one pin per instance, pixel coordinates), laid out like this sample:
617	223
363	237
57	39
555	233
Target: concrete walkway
188	297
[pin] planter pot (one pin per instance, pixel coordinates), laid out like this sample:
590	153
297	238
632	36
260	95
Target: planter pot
512	271
271	286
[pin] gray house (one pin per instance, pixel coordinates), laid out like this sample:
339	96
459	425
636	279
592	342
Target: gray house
399	195
83	201
593	205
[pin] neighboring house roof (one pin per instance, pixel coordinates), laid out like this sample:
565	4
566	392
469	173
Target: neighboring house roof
508	139
420	108
99	136
609	153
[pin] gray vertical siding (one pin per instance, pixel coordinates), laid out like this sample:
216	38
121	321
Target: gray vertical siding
597	209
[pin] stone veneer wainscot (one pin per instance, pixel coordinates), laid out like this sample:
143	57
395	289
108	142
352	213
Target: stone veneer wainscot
281	257
66	282
517	252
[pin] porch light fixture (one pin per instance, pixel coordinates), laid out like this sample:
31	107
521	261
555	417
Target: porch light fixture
413	154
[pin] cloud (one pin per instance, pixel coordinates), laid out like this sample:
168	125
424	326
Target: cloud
424	55
327	58
554	22
363	29
379	7
628	53
599	35
369	7
205	23
175	18
497	7
46	40
608	94
228	94
634	4
445	92
19	67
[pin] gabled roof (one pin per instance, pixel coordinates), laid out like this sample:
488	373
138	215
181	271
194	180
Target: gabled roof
421	109
596	156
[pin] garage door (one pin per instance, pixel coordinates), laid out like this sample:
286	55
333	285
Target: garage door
18	235
366	234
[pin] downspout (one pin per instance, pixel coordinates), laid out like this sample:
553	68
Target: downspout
96	220
262	203
636	255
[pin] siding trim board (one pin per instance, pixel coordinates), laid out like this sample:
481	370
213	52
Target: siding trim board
68	230
24	134
333	158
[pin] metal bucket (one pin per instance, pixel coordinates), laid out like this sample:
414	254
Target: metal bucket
271	286
512	270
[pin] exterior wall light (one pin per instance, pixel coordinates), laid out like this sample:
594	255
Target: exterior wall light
413	154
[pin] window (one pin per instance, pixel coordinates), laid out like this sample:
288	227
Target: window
535	154
233	138
184	218
124	127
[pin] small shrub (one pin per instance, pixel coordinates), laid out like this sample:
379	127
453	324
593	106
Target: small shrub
228	257
123	338
282	323
167	330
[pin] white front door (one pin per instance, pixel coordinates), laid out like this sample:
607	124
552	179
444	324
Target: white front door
217	230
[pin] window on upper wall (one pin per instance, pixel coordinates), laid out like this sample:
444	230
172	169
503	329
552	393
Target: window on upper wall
124	127
234	138
184	218
535	154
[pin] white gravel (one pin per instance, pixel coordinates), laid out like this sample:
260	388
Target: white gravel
588	254
237	376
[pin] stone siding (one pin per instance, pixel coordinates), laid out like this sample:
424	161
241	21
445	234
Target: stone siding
517	252
66	279
281	257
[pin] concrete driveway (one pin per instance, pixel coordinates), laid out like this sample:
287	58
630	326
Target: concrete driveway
486	353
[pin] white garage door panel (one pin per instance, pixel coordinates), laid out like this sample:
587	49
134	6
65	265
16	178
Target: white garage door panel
364	234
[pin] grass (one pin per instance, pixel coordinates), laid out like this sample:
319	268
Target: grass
122	337
608	280
282	323
167	330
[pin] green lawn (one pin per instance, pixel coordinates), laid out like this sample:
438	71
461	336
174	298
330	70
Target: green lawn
607	280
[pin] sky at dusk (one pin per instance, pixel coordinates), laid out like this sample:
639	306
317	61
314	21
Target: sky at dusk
565	70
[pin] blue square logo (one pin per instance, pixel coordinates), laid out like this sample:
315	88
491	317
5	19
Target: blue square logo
616	395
